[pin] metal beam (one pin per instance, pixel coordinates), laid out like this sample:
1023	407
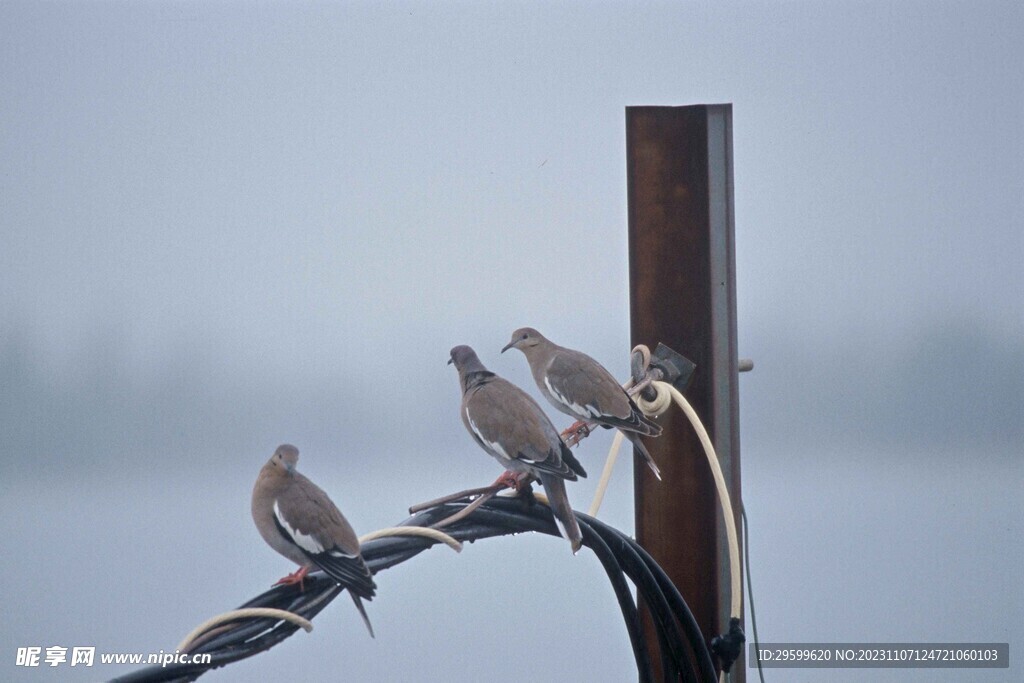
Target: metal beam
683	293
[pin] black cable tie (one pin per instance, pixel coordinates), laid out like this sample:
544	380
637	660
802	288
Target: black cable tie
727	647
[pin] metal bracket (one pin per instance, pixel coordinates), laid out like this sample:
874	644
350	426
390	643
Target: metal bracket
666	365
676	369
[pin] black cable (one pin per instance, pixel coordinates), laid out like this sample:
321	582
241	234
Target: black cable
653	584
750	590
695	638
674	658
630	614
683	652
632	566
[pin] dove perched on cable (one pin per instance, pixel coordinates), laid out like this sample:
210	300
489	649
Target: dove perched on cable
511	427
579	386
297	519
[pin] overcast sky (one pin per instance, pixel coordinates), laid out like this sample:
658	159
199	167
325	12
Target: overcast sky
229	225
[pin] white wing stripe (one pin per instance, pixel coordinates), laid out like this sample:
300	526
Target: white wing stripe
561	528
493	445
304	541
583	411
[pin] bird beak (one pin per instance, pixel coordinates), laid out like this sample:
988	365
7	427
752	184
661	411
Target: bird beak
450	361
508	346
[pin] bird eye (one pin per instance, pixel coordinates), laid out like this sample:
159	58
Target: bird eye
524	336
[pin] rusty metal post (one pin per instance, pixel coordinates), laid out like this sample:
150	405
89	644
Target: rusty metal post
682	293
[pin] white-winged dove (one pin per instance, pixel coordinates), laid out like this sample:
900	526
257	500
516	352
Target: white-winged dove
509	425
299	521
579	386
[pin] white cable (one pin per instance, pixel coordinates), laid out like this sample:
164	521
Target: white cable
723	495
662	400
433	534
249	612
606	474
665	395
652	409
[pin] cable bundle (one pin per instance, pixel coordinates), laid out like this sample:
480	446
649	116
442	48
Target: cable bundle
683	654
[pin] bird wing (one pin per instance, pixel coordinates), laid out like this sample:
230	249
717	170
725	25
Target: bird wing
314	524
507	423
584	386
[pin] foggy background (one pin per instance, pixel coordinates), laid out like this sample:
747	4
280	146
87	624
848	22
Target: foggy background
227	226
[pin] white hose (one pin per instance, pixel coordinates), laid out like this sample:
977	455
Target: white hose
724	499
433	534
666	394
248	613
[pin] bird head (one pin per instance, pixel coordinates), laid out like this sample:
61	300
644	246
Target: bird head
524	338
471	371
464	358
286	457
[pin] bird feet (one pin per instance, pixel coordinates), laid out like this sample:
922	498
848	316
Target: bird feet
575	432
512	480
296	577
526	494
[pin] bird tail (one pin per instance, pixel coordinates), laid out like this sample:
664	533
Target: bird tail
653	428
565	518
569	459
362	612
638	422
638	443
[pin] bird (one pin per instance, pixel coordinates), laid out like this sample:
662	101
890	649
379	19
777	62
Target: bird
579	386
297	519
511	427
